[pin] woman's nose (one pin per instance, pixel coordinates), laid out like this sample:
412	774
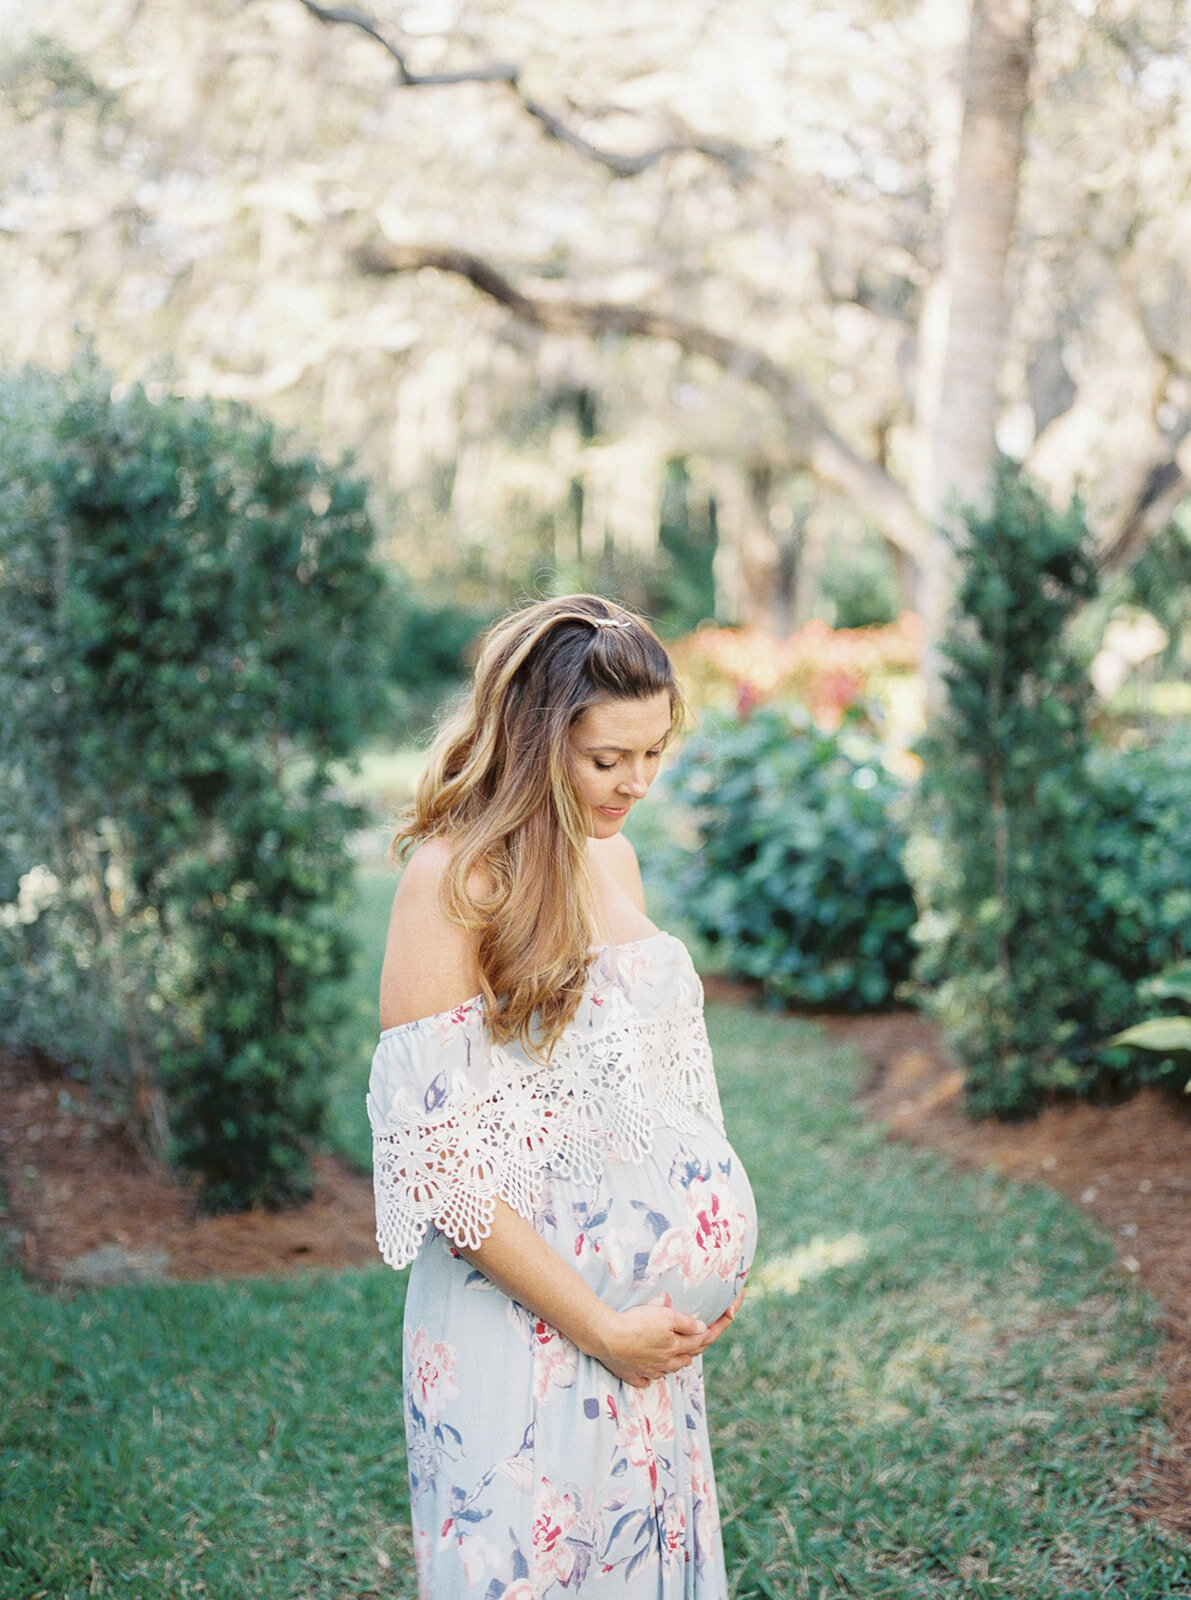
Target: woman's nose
635	784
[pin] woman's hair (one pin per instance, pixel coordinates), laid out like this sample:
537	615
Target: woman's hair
499	788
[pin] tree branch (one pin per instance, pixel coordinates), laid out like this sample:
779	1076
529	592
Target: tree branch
817	445
735	157
1166	486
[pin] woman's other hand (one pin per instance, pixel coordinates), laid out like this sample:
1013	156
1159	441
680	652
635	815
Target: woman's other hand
723	1322
645	1343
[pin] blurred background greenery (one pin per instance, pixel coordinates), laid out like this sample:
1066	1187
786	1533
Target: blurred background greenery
679	307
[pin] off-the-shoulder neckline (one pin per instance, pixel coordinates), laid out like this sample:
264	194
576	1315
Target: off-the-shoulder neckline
476	999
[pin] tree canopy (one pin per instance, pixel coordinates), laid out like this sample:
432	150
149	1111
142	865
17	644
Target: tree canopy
298	209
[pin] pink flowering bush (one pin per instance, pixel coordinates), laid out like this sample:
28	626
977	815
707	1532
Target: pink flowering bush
826	670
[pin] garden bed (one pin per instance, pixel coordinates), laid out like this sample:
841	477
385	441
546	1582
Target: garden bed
88	1206
1125	1165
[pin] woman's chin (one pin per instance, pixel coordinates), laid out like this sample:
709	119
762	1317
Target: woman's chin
603	826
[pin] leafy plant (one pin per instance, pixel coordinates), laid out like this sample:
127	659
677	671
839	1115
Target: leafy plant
795	871
1169	1035
1054	878
188	608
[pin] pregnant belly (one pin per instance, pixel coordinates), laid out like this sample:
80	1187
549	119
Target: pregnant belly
679	1227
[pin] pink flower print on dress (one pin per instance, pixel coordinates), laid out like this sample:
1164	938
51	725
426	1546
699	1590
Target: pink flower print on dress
646	1422
451	1023
522	1589
720	1224
555	1360
633	961
556	1518
706	1513
431	1366
709	1245
673	1532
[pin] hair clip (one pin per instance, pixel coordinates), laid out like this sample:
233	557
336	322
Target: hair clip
612	622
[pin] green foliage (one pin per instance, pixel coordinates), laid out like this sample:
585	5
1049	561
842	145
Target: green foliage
1056	878
859	582
680	587
958	1412
429	640
1135	874
1160	581
247	1079
188	609
1159	1033
796	868
1170	1035
428	644
674	584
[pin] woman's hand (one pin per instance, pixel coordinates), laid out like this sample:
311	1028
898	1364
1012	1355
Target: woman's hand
645	1343
723	1322
638	1345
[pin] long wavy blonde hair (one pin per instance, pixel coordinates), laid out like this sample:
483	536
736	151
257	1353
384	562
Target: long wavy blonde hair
498	786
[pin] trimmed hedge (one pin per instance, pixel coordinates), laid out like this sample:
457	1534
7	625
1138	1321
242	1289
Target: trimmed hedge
1055	878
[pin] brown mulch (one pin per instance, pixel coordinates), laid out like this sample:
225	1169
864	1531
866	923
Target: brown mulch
77	1184
84	1200
1127	1166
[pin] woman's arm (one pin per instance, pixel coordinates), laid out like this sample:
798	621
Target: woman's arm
637	1345
430	966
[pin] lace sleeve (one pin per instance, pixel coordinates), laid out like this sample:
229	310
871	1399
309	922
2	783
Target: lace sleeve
458	1122
439	1133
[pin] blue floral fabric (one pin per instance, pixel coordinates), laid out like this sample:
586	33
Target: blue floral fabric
535	1474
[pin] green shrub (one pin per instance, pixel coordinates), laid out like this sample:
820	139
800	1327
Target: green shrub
859	583
1054	879
1136	872
428	644
796	868
188	639
1168	1033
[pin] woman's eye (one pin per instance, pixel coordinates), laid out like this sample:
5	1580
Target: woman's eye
605	766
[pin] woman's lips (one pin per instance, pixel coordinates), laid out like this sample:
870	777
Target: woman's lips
615	811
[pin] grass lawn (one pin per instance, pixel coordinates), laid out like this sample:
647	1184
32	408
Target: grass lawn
940	1392
347	1121
938	1388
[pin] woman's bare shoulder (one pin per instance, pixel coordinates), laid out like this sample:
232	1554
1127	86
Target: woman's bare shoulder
430	960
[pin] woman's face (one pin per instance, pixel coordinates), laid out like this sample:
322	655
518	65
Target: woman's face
615	749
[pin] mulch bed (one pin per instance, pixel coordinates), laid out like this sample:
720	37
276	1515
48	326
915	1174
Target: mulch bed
88	1206
1128	1166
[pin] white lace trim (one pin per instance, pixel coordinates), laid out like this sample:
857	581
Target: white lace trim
600	1097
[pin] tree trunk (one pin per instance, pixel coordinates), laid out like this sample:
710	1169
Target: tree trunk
751	569
962	443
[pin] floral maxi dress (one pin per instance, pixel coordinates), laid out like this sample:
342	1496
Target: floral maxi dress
534	1473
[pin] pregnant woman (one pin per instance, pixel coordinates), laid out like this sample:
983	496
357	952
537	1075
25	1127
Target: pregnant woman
549	1151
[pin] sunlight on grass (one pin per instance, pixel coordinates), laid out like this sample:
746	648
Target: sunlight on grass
347	1078
786	1274
381	778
